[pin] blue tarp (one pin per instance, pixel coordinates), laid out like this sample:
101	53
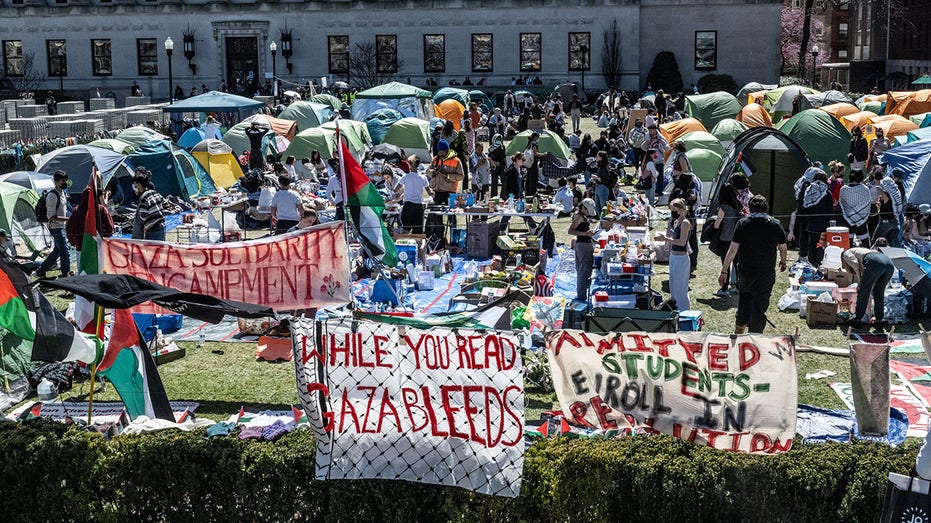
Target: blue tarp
911	159
818	425
379	122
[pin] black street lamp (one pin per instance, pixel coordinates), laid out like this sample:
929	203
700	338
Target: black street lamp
169	48
61	71
814	62
273	47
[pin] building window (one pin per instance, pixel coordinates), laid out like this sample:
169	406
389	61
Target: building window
530	51
434	53
386	54
13	57
482	53
580	47
147	56
338	50
102	59
842	54
57	52
842	30
706	50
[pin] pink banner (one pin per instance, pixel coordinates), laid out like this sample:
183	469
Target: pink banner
300	270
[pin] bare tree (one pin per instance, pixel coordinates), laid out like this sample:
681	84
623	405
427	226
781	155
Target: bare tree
611	56
370	65
29	78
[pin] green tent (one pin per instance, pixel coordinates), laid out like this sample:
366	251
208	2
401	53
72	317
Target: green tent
702	140
236	138
174	170
408	100
412	135
326	99
921	120
139	135
323	140
307	114
393	91
357	133
17	204
549	142
445	93
874	107
114	144
711	108
821	135
728	129
780	100
705	163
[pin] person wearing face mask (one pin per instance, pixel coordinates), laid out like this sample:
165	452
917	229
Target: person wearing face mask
56	202
149	222
679	264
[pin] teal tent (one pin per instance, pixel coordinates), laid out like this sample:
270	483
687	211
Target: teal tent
174	170
445	93
482	100
379	122
307	114
821	135
139	135
711	108
921	120
215	102
918	134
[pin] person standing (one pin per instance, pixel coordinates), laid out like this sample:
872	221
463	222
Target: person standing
637	139
255	133
334	189
575	113
211	129
677	235
726	223
855	205
498	157
754	245
481	169
658	144
878	146
584	248
287	207
872	271
532	158
56	204
414	184
149	222
890	208
818	208
445	173
858	150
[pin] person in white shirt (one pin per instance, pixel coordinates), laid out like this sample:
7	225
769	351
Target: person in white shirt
334	193
287	207
289	167
564	197
414	184
481	175
211	128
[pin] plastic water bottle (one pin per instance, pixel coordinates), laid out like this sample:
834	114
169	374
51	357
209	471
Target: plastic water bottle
201	339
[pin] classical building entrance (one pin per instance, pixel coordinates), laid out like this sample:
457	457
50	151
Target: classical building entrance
242	64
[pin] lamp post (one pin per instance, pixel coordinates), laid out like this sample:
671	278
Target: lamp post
169	49
273	47
814	63
61	71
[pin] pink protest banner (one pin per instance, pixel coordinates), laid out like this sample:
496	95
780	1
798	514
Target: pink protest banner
300	270
735	393
441	406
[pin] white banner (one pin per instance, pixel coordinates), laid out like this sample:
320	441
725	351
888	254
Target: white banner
736	393
442	406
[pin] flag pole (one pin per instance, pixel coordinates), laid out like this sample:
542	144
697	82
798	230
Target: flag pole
98	313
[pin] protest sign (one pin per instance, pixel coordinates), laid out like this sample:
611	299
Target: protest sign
300	270
901	397
442	406
736	393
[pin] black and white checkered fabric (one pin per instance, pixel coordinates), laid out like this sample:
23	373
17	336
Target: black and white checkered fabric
551	167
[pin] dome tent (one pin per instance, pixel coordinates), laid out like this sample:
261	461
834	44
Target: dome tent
451	110
674	130
775	161
549	142
218	160
711	108
752	87
406	99
412	135
445	93
174	170
821	136
139	135
702	140
307	115
857	119
727	130
379	122
754	115
282	131
79	161
114	144
839	110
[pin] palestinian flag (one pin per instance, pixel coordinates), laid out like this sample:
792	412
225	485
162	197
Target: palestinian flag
87	313
365	207
744	165
27	314
129	366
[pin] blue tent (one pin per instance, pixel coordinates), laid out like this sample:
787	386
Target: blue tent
379	122
480	98
912	159
445	93
79	162
194	136
174	170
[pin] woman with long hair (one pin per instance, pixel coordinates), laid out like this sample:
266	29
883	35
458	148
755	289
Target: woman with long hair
584	248
605	180
677	235
729	211
818	206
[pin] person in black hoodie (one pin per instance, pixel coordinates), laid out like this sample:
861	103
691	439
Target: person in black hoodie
859	151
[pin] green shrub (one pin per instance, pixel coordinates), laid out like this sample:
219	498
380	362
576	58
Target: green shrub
57	473
665	73
711	83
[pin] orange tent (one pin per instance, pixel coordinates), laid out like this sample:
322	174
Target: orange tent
450	110
672	131
856	119
907	103
757	97
754	115
892	125
839	110
286	128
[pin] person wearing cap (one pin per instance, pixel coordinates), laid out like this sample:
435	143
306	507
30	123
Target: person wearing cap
56	203
584	248
287	206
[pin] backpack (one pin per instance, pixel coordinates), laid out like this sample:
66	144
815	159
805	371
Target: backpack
638	137
41	208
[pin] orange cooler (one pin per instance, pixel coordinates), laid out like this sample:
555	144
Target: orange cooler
838	236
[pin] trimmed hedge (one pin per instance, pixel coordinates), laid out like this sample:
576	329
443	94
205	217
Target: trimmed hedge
51	472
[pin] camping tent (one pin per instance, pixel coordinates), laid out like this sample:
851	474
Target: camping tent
174	170
893	125
38	182
326	99
711	108
307	114
704	162
821	136
727	130
818	100
780	100
445	93
840	110
276	141
79	161
357	133
907	103
412	135
323	140
923	133
215	102
775	161
482	100
549	142
752	87
672	131
406	99
857	119
754	115
17	210
451	110
911	158
921	120
218	160
378	123
194	136
702	140
139	135
114	144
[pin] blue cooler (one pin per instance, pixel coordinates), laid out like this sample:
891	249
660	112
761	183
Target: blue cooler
407	252
690	321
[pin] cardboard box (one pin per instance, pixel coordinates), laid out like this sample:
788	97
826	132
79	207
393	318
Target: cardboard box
507	243
821	313
480	239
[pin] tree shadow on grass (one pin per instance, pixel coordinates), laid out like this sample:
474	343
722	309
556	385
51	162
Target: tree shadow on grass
719	304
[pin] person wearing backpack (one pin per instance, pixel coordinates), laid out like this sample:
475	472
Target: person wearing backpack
56	214
149	222
637	139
